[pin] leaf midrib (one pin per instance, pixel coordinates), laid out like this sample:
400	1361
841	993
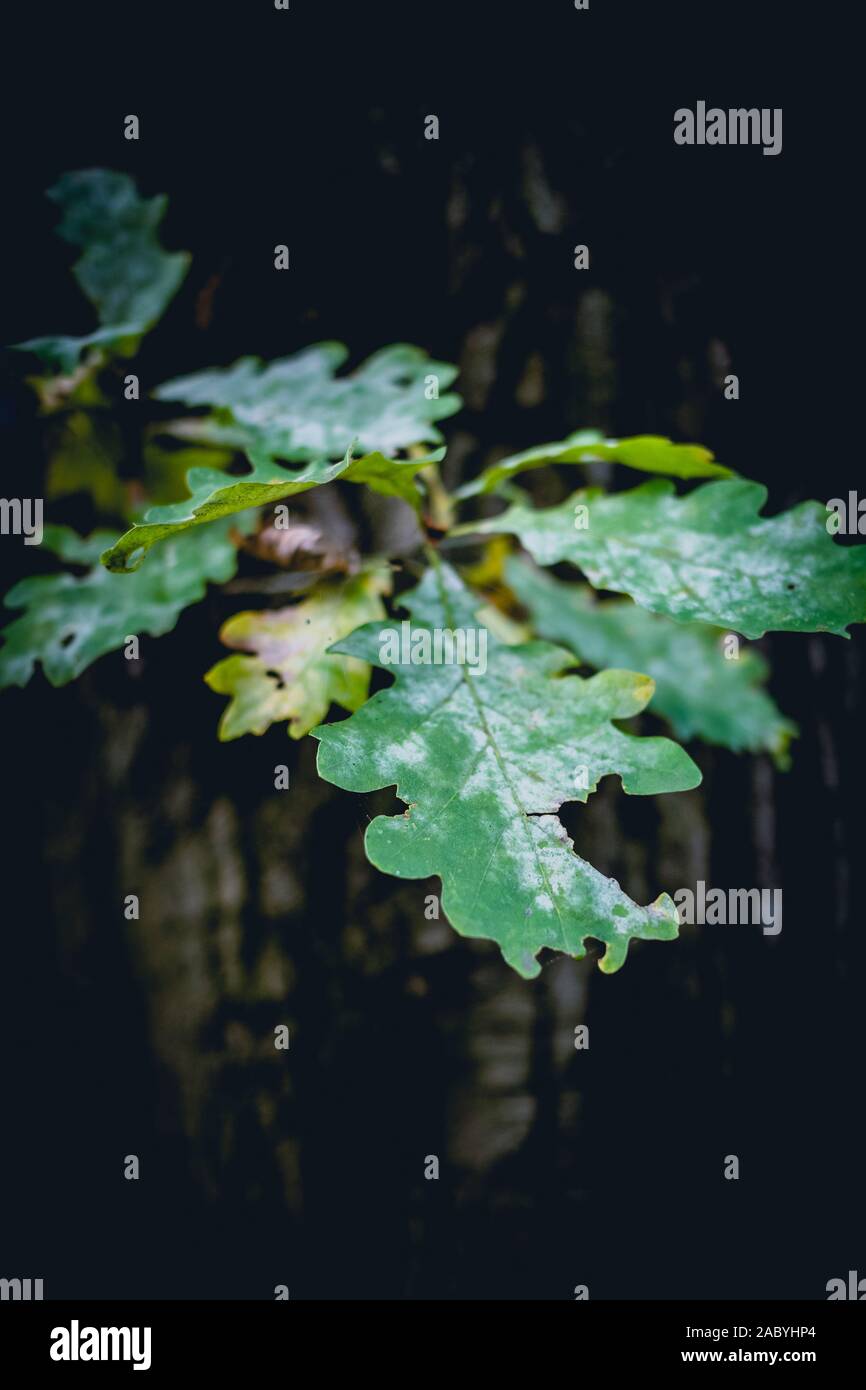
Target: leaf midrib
479	707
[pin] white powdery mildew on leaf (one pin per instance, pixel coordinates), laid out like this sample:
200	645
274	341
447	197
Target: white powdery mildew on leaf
482	762
709	557
411	751
486	775
70	621
697	686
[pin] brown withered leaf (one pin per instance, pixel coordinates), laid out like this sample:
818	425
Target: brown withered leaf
303	546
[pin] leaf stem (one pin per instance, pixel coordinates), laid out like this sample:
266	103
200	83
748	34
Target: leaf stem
440	513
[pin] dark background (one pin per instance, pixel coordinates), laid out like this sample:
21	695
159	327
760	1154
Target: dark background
557	1167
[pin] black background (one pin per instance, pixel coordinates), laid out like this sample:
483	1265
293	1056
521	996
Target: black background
307	128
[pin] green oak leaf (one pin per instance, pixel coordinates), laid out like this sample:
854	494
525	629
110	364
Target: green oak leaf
697	688
291	675
70	621
707	557
483	758
296	408
62	353
213	494
124	272
649	453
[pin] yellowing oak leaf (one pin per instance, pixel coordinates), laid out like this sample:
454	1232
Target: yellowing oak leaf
282	669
